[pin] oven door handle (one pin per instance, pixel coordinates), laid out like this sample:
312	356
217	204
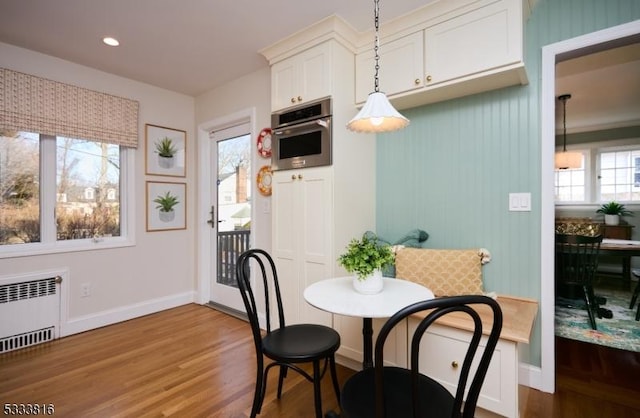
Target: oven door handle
323	122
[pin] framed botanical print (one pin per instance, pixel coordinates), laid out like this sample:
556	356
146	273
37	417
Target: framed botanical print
165	151
166	206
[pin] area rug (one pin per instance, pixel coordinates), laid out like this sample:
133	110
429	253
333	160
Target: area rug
622	331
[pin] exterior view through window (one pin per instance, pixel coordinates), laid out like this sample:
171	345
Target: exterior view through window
79	178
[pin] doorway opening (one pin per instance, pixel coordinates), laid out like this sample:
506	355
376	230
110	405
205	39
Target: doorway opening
551	55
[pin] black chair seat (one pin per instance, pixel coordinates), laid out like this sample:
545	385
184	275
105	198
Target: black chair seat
298	343
358	394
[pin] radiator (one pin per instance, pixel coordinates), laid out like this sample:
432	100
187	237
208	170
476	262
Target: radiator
29	311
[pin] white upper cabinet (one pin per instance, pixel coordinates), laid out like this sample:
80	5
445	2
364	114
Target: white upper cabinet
481	40
441	54
301	78
401	67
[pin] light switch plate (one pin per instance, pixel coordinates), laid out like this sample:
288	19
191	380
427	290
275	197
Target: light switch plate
520	202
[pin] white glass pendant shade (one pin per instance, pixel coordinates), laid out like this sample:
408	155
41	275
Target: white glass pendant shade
377	115
566	160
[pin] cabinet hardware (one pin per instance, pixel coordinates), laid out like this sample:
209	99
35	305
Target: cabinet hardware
299	176
293	100
299	98
416	81
429	79
293	177
58	279
454	364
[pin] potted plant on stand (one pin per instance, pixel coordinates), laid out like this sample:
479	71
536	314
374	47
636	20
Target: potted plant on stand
612	212
366	258
166	203
166	151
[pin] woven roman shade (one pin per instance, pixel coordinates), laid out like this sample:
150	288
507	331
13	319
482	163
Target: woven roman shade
33	104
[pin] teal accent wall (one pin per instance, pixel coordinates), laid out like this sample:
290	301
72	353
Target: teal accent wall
451	171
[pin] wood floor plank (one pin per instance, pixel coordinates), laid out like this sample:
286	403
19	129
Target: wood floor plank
193	361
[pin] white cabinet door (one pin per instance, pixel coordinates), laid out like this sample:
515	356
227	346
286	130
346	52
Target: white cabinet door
477	41
401	67
442	351
301	248
301	78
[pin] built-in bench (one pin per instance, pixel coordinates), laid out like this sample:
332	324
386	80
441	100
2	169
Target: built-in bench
453	272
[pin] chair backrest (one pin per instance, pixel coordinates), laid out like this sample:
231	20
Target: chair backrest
437	308
267	272
577	258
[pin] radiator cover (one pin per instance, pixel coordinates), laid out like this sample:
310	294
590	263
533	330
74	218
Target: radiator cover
29	312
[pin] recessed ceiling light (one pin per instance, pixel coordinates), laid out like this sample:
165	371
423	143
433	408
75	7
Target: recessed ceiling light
110	41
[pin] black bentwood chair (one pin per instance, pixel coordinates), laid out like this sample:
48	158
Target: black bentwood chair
396	392
286	345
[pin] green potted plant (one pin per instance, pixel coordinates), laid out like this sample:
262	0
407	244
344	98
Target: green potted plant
166	204
612	212
365	258
166	151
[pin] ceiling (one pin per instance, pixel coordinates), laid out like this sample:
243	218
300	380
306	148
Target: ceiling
604	87
194	46
187	46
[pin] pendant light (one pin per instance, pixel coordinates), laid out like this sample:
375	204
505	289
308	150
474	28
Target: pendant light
566	160
377	114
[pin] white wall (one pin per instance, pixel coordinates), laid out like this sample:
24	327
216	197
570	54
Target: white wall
159	271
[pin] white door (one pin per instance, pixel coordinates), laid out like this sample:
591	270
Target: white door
230	216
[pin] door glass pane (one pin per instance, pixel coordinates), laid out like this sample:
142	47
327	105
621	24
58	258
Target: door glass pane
234	204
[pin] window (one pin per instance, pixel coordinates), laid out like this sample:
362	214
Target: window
60	193
607	173
619	177
571	184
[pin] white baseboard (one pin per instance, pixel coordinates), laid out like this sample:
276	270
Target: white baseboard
124	313
530	376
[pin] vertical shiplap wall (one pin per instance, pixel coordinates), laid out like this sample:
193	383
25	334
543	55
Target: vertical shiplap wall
451	171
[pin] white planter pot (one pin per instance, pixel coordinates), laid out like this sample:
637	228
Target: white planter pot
167	216
611	219
369	286
166	162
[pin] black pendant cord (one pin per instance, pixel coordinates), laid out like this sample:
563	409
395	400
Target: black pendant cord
376	44
564	99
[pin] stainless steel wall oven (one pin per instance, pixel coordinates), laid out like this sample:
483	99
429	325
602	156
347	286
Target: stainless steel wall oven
302	136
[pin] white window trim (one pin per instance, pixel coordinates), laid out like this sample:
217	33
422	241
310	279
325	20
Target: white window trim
49	244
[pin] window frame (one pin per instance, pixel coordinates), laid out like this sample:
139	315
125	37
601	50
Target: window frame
48	239
592	151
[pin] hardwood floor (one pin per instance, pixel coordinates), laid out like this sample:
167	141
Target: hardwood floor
193	361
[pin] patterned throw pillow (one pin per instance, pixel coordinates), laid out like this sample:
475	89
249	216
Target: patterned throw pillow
445	272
